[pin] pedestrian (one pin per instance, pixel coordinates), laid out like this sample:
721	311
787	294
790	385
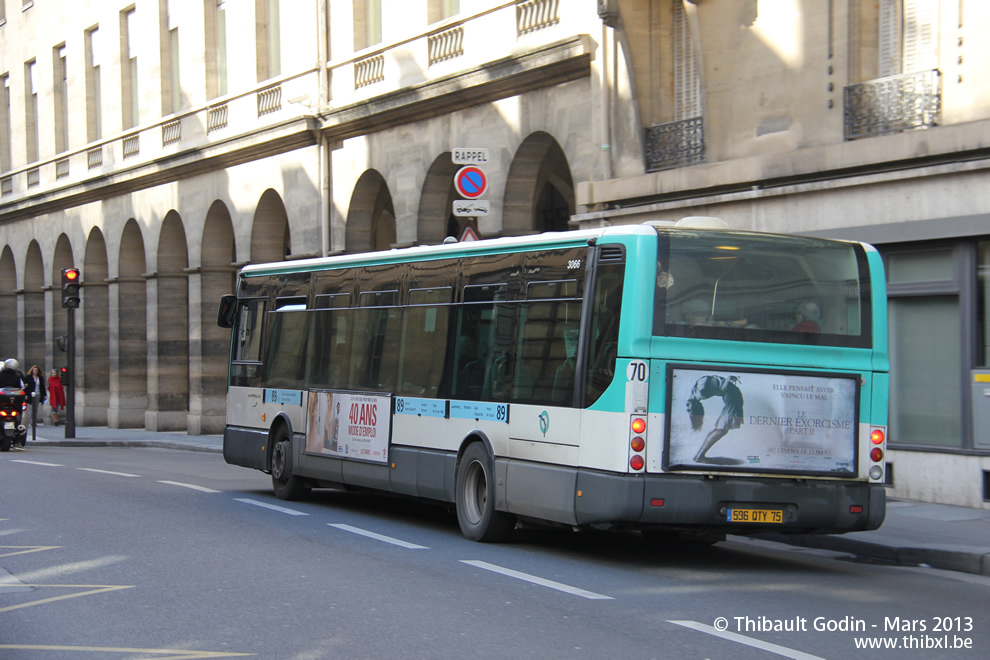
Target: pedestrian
34	387
56	395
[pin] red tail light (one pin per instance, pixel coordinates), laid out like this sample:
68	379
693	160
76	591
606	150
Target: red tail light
877	437
638	425
636	462
876	455
637	444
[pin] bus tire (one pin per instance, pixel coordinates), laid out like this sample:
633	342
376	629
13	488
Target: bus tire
286	485
475	498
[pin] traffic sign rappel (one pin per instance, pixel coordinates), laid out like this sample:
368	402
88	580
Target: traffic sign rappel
470	182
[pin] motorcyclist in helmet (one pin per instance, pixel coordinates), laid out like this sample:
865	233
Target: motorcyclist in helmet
10	375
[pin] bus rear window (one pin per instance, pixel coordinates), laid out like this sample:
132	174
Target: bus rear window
762	288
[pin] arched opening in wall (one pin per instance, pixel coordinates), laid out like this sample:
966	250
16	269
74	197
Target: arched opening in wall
436	218
209	342
8	298
129	381
270	238
93	336
539	191
60	316
168	397
34	308
370	215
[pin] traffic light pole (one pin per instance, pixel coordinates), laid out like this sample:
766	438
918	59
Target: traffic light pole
70	389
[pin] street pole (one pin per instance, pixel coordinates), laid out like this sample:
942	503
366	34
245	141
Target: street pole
70	390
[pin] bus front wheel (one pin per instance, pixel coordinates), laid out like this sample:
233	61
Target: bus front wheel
475	493
286	485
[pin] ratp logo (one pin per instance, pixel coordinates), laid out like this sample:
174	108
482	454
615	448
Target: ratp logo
544	422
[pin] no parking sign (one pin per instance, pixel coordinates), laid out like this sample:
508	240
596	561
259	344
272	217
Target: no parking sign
470	182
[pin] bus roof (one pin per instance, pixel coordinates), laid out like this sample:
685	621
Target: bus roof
486	246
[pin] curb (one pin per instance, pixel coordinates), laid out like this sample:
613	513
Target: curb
951	560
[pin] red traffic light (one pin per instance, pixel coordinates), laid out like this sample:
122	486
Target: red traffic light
71	274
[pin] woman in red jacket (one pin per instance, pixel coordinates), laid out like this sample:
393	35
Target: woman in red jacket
56	395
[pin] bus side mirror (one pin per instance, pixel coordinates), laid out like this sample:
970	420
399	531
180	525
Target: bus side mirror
227	310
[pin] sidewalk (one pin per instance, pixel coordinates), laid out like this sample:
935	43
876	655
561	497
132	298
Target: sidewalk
938	535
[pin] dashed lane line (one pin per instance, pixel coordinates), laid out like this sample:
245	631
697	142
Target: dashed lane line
273	507
202	489
748	641
378	537
21	460
543	582
115	474
165	654
25	549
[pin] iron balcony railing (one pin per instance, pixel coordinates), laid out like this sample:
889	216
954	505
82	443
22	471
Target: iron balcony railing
892	104
675	144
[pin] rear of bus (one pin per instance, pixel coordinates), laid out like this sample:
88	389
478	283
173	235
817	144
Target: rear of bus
766	382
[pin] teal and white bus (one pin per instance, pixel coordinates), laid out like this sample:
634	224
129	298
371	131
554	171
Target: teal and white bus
672	379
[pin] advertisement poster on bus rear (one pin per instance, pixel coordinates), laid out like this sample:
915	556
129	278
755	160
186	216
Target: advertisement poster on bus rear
348	425
766	422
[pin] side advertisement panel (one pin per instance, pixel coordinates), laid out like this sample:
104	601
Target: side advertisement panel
349	425
755	421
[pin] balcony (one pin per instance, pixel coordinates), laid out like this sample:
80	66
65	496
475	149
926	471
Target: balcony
675	144
892	104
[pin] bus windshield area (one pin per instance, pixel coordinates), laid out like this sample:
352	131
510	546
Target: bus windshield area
762	288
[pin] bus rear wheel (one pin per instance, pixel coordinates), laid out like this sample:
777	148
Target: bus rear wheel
475	498
286	485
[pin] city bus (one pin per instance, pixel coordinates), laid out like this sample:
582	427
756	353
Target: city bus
682	380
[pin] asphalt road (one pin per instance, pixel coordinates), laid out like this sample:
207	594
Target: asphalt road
152	553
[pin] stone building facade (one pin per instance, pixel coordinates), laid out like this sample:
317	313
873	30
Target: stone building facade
161	144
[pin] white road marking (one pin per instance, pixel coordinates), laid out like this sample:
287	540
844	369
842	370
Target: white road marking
17	460
202	489
378	537
265	505
116	474
748	641
536	580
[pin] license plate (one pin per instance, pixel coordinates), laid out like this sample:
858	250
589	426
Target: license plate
8	425
755	516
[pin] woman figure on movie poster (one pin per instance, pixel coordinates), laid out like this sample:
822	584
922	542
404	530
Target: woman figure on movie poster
731	416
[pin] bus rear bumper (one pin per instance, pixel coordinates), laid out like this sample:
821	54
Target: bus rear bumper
687	501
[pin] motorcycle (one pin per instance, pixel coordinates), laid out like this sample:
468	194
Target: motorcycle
13	407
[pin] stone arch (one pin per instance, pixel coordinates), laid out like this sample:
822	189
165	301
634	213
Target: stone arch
270	237
129	337
8	298
93	336
436	220
209	344
370	215
539	191
60	316
34	308
168	354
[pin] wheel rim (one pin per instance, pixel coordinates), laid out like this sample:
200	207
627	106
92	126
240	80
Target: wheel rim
475	492
278	462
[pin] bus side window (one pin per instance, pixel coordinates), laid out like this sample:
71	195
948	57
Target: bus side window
604	339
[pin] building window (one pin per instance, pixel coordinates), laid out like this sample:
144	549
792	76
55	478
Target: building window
926	352
440	10
268	39
221	47
94	100
171	82
367	23
31	111
908	38
61	89
687	82
129	69
983	304
5	149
